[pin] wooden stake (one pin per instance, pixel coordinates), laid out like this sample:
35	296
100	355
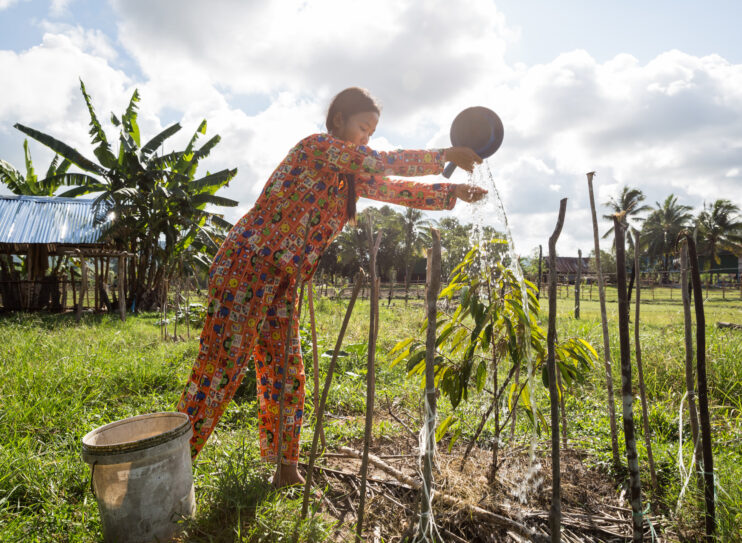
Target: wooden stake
315	360
555	513
604	321
325	391
628	398
689	374
703	404
640	371
370	369
433	283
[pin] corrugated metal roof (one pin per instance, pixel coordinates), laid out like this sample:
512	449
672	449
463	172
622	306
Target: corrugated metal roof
44	219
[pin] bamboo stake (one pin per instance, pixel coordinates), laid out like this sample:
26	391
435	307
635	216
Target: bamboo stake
370	369
628	408
315	359
555	513
325	391
604	321
689	377
433	281
640	371
703	405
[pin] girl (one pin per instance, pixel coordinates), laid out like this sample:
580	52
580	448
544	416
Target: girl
303	206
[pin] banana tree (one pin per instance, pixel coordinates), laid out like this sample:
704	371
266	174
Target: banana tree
157	203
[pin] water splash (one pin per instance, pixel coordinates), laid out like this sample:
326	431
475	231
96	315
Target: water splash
489	208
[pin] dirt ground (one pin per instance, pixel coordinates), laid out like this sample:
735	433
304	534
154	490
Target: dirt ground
593	508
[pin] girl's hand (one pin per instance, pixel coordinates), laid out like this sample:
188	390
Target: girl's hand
469	193
463	157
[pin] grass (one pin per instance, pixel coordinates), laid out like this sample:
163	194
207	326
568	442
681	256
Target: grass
59	380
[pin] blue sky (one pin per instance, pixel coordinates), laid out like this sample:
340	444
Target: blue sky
647	93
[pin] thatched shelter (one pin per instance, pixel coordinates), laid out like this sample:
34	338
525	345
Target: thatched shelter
47	245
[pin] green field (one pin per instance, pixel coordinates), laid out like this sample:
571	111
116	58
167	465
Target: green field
59	380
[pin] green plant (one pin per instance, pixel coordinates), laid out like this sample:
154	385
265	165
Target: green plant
157	203
495	319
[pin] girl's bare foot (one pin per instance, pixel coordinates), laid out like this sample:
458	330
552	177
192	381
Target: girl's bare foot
289	476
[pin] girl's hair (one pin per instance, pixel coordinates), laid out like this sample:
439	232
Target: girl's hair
349	102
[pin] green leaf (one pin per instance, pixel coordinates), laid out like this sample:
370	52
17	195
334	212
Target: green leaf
481	376
415	360
401	345
152	145
443	427
202	199
62	148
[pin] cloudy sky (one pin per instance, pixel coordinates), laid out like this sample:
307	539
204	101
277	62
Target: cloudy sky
647	94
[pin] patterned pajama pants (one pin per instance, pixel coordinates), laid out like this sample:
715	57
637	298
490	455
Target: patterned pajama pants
248	314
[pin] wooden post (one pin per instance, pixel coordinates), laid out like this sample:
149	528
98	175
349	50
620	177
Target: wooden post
83	284
96	282
555	513
627	396
74	290
703	404
326	390
370	369
689	376
315	361
122	288
433	283
577	283
640	370
604	321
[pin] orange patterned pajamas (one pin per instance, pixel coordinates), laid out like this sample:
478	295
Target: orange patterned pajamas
252	281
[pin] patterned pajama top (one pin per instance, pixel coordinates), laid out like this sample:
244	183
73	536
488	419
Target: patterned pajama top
305	191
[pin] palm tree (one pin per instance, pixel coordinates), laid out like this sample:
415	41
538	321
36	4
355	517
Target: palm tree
416	228
662	227
719	227
628	202
159	206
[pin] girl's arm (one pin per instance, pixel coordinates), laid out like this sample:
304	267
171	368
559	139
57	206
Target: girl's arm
431	196
323	152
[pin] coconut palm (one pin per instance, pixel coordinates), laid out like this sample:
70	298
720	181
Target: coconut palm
719	227
158	204
416	228
662	227
629	202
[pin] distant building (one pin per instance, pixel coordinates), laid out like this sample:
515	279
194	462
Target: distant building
34	229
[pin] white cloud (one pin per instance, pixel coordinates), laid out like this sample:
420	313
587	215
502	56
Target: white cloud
5	4
262	74
59	8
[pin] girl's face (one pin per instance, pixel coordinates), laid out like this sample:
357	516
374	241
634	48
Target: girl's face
357	128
